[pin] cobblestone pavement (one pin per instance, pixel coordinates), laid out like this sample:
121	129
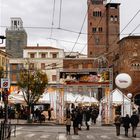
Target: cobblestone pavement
59	133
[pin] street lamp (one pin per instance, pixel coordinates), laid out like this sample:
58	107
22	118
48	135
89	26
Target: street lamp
2	38
129	95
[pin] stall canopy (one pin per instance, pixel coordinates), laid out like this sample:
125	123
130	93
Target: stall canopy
45	98
77	98
87	99
69	97
118	98
18	98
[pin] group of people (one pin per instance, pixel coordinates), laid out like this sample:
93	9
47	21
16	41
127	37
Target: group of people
126	122
18	112
78	115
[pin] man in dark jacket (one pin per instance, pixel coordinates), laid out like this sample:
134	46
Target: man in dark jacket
126	124
134	123
88	115
75	121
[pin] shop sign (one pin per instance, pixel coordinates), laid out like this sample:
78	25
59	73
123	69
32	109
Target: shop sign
5	83
123	80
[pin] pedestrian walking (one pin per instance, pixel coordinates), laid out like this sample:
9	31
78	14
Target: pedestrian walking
49	114
68	123
75	121
117	122
80	118
134	123
87	117
94	114
126	124
139	111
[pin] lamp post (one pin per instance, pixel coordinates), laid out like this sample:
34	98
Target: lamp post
2	38
129	95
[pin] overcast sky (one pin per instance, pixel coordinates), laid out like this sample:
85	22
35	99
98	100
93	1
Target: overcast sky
39	13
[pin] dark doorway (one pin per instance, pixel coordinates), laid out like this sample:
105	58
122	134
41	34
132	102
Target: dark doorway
99	94
137	99
118	110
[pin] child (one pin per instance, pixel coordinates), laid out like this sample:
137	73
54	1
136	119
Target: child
68	123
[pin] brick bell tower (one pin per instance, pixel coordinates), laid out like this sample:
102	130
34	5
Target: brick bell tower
16	38
103	27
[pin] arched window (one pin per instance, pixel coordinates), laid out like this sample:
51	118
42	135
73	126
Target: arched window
97	13
116	18
135	66
94	29
111	18
100	29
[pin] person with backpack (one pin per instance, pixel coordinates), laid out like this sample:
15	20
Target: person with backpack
134	123
117	122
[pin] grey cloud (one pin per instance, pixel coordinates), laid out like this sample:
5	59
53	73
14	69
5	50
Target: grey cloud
39	13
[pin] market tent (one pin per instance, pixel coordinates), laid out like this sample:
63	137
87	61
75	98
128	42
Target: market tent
69	97
78	98
45	98
94	100
118	98
16	99
87	99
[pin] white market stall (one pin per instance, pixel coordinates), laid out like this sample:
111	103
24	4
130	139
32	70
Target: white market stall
15	98
87	99
79	99
69	97
45	98
117	102
118	98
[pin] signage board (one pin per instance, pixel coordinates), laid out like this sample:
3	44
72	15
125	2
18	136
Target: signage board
5	83
95	78
123	80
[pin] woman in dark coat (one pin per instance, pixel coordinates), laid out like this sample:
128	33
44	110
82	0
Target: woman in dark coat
126	124
80	118
75	121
